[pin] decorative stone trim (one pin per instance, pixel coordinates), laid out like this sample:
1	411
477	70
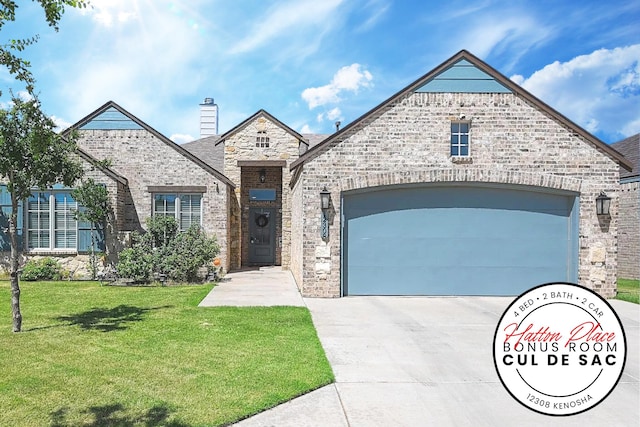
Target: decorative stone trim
177	189
557	182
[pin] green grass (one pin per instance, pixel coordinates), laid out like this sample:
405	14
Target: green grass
629	290
148	356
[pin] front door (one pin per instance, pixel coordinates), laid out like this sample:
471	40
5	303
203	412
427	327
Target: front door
262	232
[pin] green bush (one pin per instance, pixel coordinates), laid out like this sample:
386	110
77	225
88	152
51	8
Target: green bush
42	269
163	229
136	262
184	255
164	250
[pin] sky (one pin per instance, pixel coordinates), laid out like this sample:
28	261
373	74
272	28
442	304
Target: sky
311	63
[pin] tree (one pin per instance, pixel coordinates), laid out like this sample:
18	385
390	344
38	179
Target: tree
95	209
18	67
32	155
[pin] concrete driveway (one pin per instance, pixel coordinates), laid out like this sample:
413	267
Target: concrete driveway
406	361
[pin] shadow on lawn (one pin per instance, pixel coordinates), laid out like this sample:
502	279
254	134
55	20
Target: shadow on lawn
107	319
116	416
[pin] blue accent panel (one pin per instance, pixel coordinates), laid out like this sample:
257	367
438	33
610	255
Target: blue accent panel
5	212
463	77
84	238
454	240
463	86
111	119
262	194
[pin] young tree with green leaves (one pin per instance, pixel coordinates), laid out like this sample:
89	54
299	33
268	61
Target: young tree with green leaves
32	155
95	209
9	52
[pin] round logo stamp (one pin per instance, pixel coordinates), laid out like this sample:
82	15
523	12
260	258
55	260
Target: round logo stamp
559	349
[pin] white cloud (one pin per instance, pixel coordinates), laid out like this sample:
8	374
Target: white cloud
377	9
599	91
348	79
61	124
334	114
320	117
306	129
287	19
181	138
106	12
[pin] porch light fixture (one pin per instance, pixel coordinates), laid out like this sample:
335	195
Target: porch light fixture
325	199
325	195
603	203
263	175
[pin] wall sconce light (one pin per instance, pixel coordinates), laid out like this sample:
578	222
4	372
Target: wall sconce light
603	203
263	175
325	200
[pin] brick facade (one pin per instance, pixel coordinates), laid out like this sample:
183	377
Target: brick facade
147	162
407	141
629	231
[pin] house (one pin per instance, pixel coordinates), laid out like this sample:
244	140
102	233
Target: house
462	183
629	217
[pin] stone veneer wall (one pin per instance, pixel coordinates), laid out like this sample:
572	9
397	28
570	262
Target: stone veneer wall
629	231
147	161
297	234
408	142
241	145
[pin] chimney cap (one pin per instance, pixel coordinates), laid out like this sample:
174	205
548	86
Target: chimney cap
208	101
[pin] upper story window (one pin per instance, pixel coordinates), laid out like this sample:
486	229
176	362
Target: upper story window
262	140
185	208
460	139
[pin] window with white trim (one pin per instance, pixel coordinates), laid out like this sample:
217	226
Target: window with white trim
262	140
460	139
185	208
50	220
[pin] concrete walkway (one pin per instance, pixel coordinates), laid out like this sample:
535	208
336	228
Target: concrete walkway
413	361
263	286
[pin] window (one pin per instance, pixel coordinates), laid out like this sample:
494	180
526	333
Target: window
50	221
262	140
262	194
460	139
185	208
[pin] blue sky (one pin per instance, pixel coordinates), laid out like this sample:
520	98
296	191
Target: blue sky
312	62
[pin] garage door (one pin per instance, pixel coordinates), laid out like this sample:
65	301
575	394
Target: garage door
455	240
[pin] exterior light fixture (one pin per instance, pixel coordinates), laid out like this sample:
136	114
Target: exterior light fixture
325	196
603	203
325	200
263	176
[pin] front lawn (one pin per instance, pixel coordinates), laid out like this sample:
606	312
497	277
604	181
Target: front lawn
116	356
629	290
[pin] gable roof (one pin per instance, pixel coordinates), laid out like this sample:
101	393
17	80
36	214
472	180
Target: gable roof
265	114
113	116
106	170
456	75
630	148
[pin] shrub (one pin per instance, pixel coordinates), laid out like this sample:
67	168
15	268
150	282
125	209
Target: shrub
184	255
164	250
42	269
136	262
163	230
